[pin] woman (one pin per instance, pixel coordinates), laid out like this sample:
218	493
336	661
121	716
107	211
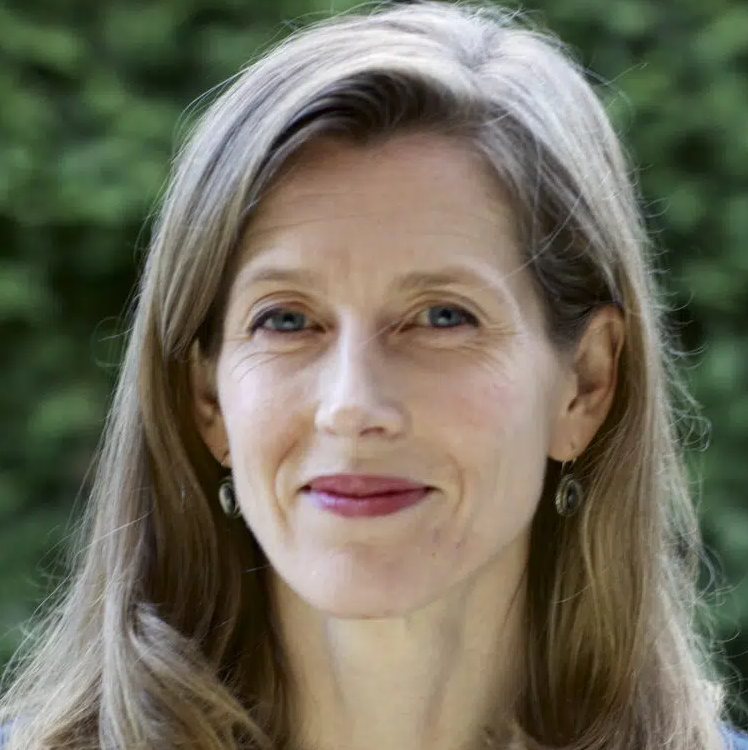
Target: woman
392	459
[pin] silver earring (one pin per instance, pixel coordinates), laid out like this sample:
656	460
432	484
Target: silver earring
569	493
227	497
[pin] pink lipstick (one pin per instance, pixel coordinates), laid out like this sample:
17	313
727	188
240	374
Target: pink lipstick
359	495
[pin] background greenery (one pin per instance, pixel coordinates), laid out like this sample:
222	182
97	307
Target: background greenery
91	103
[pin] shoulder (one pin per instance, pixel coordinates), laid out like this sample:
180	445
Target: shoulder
5	730
4	734
736	740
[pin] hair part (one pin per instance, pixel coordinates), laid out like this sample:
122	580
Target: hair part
162	637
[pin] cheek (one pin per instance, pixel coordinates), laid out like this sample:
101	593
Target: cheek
260	408
264	425
488	402
499	420
499	399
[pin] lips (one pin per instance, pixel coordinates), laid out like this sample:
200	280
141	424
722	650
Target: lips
359	485
357	495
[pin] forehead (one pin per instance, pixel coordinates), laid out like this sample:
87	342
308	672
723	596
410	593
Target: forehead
418	170
413	199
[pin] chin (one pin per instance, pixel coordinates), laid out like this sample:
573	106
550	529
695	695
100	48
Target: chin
366	594
350	606
365	581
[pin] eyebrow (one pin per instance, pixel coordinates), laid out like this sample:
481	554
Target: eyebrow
421	281
281	276
414	281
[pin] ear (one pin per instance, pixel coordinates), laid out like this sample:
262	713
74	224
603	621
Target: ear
205	405
590	385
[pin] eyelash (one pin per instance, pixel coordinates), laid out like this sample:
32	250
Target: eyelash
263	317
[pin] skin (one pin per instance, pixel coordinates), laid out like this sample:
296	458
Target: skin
402	631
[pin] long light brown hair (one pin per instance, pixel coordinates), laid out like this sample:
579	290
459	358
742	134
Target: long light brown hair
163	635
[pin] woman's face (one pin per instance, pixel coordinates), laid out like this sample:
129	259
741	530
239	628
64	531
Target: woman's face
382	325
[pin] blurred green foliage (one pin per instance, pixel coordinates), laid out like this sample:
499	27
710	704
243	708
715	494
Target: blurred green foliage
91	103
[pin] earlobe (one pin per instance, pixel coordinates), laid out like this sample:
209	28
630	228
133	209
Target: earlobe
592	385
205	405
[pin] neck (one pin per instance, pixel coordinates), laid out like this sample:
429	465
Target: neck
434	678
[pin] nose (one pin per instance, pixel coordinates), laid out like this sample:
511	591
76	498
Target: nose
358	392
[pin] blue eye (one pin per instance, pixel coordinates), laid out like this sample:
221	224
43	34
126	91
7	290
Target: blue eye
286	320
446	316
280	319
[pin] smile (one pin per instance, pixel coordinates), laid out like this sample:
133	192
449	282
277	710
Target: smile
359	496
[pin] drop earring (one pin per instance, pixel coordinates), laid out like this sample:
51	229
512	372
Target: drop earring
569	493
227	497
